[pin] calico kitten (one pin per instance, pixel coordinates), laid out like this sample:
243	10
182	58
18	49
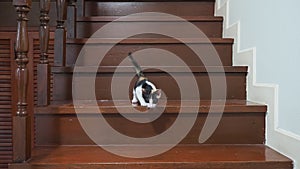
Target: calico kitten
144	91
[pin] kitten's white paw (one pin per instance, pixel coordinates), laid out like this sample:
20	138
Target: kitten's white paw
145	104
134	104
150	106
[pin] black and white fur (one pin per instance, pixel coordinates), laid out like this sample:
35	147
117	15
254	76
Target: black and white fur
144	91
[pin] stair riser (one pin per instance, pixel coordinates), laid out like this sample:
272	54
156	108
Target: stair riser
221	165
210	29
236	85
119	52
228	165
126	8
234	128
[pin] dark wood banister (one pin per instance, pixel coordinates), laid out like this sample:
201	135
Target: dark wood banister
81	8
71	19
21	119
43	68
60	34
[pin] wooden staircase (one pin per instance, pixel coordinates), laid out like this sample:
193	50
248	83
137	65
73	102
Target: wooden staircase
238	141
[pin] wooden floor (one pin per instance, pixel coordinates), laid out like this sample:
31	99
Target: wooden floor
182	156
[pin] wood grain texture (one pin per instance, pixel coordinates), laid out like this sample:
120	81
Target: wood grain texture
216	51
44	31
21	138
43	68
191	156
60	34
239	116
71	19
43	84
6	98
35	54
210	26
117	8
172	106
22	121
235	81
8	88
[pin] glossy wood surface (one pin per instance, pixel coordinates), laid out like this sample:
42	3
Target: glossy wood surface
7	99
60	34
234	80
21	138
44	30
21	119
169	84
210	26
172	106
43	74
222	50
188	8
242	122
71	19
66	129
43	84
183	157
58	124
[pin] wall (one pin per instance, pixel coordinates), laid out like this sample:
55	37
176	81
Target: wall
267	39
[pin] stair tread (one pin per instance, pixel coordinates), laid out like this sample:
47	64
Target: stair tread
173	106
151	18
151	69
196	154
150	40
148	0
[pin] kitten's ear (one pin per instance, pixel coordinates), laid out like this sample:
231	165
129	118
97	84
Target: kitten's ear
158	92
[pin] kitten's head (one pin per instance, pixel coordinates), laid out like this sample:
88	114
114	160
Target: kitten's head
154	96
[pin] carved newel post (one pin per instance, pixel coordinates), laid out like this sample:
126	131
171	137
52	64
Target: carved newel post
21	120
60	34
43	68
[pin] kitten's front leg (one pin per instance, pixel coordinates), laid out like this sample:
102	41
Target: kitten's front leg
139	95
134	100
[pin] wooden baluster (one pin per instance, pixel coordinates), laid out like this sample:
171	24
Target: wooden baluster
43	68
21	120
81	8
71	19
60	34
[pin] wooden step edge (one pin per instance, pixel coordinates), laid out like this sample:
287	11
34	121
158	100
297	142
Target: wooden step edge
172	106
202	155
150	41
150	19
209	1
30	29
157	69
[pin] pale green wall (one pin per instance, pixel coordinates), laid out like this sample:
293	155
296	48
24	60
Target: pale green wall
273	27
267	39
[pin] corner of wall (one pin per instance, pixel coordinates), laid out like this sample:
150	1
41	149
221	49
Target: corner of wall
259	92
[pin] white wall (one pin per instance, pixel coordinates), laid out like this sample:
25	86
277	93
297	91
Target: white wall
267	39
